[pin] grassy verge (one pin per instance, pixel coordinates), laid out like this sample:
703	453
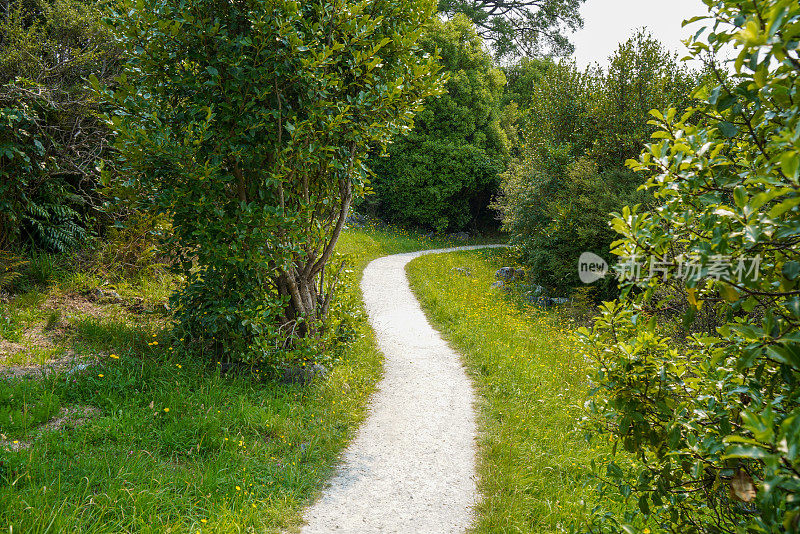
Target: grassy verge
532	383
129	432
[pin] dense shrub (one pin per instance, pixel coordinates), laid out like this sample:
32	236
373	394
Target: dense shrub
248	125
522	78
710	418
50	138
578	130
443	174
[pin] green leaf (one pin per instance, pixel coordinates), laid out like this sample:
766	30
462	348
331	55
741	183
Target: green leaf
741	451
644	505
759	424
728	129
790	164
740	196
781	208
791	269
728	292
793	306
785	354
725	102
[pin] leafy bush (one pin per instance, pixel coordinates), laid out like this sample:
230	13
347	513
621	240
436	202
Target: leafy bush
711	420
579	128
253	143
50	137
443	174
10	266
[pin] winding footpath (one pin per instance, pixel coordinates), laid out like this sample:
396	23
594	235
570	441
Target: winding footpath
411	467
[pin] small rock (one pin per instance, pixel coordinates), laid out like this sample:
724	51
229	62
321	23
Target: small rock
78	368
558	301
506	274
498	284
539	301
460	236
136	305
510	274
354	220
463	270
536	290
105	296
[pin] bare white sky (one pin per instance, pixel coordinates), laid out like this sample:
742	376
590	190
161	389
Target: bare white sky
610	22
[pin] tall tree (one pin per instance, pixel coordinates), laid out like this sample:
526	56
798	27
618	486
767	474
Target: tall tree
579	128
249	122
521	27
444	172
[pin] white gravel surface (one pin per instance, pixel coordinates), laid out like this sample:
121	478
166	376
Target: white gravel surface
411	467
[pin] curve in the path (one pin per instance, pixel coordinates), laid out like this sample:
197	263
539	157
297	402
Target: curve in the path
411	467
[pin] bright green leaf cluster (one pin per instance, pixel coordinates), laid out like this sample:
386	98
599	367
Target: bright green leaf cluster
699	378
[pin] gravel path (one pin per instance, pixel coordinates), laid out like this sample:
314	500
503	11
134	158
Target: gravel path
411	467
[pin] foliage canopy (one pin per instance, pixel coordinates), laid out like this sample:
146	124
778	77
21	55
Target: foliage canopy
578	128
443	174
521	27
50	136
248	123
710	410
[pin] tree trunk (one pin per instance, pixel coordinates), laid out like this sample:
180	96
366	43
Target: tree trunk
303	302
307	304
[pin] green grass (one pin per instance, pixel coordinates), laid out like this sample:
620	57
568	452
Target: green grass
365	244
167	442
531	379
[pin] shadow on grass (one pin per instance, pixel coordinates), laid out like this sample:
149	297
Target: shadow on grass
93	334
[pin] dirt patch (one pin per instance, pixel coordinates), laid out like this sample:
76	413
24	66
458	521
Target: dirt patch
34	345
9	348
45	336
70	416
75	304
